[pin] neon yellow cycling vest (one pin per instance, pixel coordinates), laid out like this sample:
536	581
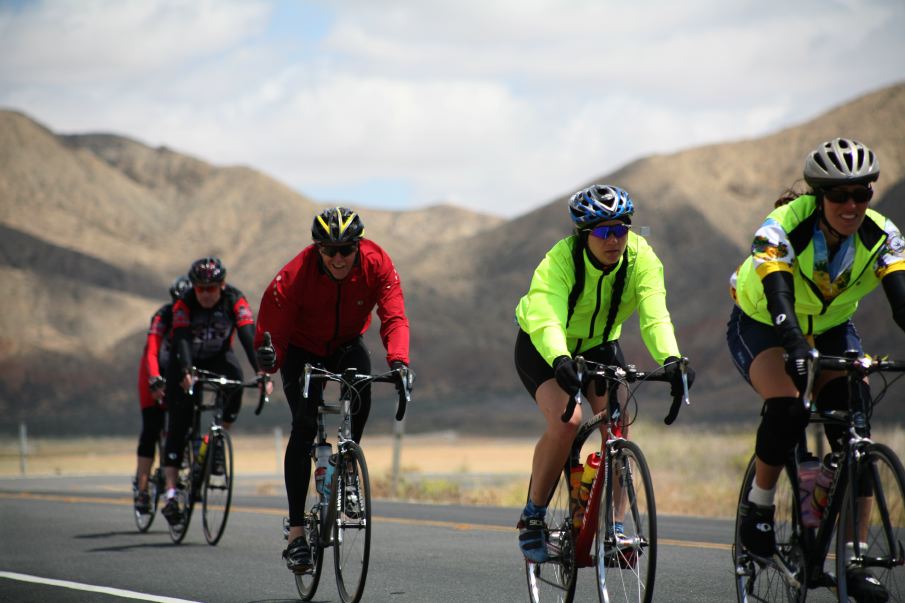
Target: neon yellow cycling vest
542	312
815	314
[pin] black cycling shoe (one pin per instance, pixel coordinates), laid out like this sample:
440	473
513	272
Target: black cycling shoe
143	502
298	556
863	587
172	513
756	531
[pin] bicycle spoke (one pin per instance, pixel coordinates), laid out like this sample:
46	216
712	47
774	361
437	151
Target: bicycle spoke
555	579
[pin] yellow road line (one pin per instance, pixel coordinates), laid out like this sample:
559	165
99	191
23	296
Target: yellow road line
434	523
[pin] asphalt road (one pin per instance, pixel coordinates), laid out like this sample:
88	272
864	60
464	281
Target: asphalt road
80	531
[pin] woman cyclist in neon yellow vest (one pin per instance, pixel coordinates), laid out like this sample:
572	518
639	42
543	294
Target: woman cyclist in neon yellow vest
811	262
621	275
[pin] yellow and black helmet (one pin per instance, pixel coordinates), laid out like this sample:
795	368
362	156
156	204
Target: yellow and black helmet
337	225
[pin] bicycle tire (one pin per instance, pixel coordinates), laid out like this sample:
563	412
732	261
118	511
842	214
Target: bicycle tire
554	581
351	523
184	494
626	571
755	581
880	523
217	489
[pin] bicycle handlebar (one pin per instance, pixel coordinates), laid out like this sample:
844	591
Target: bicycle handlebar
851	362
350	377
219	382
588	370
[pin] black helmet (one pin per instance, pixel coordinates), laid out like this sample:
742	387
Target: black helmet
207	271
841	161
180	286
337	225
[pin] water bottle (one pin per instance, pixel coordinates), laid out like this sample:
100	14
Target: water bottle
322	456
808	470
328	474
587	476
822	484
202	450
575	497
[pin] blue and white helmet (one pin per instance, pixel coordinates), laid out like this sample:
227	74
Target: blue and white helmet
598	203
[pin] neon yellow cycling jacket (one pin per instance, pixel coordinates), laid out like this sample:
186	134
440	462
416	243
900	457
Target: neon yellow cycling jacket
542	312
785	241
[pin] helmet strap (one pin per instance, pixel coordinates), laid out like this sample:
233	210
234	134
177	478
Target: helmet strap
823	220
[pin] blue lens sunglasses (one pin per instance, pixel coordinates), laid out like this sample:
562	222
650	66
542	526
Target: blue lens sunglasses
617	230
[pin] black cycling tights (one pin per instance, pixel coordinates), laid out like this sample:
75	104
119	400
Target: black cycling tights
297	462
151	423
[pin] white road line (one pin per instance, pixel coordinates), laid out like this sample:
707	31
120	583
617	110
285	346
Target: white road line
117	592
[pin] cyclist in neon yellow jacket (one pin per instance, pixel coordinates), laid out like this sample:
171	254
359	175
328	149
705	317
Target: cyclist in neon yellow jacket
811	262
583	290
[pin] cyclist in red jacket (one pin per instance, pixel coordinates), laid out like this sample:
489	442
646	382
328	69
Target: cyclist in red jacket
316	310
204	322
154	360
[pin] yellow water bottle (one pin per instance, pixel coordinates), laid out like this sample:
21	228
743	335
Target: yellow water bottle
587	476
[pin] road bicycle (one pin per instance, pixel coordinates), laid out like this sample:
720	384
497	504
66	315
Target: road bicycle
341	514
583	534
862	528
206	470
156	487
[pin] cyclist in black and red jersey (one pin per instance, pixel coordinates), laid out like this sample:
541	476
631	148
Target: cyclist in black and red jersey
204	321
154	360
316	309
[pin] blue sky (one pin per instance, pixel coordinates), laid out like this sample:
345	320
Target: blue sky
495	105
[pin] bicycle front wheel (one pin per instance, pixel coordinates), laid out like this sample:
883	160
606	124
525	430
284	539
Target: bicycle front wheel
352	524
627	559
756	580
217	490
554	581
870	557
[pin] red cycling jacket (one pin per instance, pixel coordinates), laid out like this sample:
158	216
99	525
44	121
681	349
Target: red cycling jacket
305	307
156	354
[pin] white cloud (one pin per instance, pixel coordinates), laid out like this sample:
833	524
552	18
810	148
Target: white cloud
499	105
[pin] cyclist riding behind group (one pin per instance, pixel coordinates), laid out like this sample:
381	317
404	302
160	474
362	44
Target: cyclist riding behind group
588	284
154	360
204	321
814	257
316	309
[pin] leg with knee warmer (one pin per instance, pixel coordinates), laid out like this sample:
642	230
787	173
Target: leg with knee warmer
834	396
784	419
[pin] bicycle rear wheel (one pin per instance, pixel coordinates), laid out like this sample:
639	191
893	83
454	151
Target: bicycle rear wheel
352	524
307	583
217	490
873	507
626	566
759	581
184	494
555	580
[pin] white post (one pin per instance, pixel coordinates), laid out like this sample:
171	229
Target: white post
278	445
398	431
23	449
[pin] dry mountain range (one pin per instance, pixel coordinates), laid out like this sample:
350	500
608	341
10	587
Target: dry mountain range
94	227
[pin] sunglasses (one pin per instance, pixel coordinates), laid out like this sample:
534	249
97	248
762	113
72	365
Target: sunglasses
617	230
206	288
861	194
331	251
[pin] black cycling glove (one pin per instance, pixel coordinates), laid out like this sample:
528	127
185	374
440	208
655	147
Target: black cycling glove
797	354
266	355
566	375
674	374
407	375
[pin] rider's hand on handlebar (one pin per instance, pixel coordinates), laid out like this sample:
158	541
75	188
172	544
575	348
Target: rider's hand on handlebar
566	374
266	383
266	355
157	385
187	382
797	354
674	373
406	374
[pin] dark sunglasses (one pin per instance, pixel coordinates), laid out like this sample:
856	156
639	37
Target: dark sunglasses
617	230
862	194
206	288
331	251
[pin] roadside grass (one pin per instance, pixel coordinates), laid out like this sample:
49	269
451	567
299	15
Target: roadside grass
696	470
